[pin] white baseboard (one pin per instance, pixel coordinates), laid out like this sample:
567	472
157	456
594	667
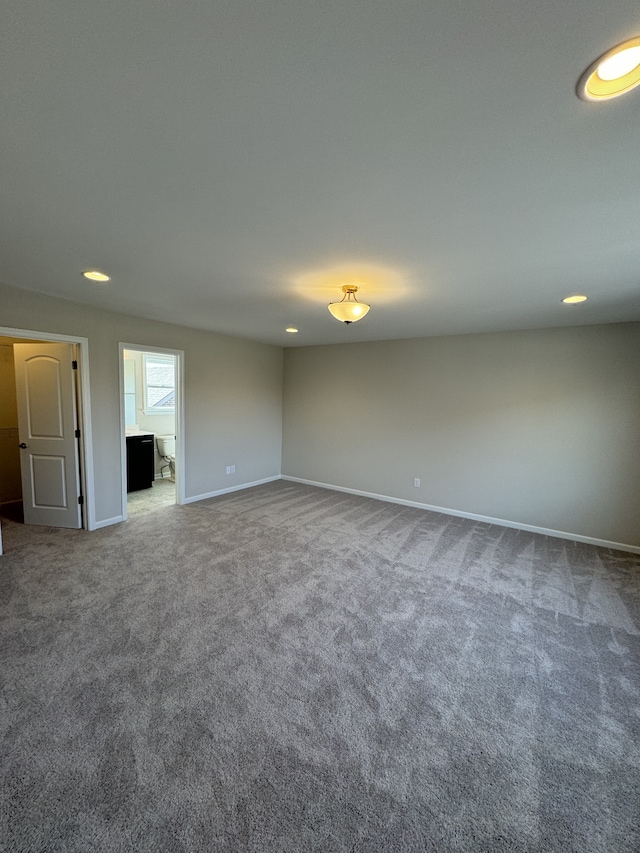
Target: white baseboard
559	534
239	488
107	522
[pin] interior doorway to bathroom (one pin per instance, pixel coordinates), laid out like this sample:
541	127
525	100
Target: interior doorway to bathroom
150	419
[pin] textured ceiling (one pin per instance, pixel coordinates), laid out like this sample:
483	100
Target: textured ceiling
232	164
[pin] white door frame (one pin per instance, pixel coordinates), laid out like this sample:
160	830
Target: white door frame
85	450
179	357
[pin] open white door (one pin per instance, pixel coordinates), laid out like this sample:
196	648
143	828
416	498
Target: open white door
45	388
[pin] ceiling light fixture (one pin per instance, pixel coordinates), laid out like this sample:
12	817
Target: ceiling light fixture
617	71
348	310
575	299
96	275
291	329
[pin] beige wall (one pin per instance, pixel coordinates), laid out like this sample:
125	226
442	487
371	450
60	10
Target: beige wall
233	393
10	486
539	428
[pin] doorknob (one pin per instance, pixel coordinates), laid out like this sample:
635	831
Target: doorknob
22	444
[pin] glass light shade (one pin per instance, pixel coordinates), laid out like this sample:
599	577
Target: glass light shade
349	309
348	312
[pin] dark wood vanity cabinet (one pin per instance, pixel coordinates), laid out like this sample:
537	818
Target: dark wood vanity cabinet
140	461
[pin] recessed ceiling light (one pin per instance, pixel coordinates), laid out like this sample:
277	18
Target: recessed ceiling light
619	64
573	300
291	329
96	275
617	71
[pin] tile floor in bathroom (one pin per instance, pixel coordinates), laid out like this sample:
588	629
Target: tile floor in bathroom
162	493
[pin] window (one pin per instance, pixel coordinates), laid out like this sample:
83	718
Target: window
159	384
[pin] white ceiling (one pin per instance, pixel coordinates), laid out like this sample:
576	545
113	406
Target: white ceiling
232	163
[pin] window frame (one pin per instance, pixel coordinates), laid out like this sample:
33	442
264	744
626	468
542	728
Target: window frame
157	359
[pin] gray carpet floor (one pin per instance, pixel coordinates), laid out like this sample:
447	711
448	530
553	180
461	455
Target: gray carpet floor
293	669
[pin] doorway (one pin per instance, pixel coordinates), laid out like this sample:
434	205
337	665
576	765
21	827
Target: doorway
41	501
150	404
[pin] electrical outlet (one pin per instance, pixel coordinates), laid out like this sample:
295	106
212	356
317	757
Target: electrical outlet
416	482
231	469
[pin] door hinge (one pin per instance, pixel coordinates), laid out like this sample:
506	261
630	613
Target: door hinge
74	365
80	499
77	433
